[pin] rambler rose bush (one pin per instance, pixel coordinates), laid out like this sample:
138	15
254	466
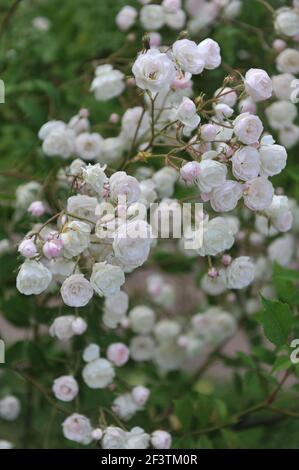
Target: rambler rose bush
114	365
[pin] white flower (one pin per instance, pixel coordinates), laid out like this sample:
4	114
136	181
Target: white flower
112	150
114	438
76	291
126	17
214	285
289	136
61	268
168	356
227	96
122	184
282	250
60	142
65	388
287	21
246	163
98	373
108	83
133	119
115	309
248	128
148	192
33	278
273	159
5	444
161	440
77	428
210	53
75	237
89	146
137	439
217	237
142	319
288	61
132	243
142	348
79	326
281	108
188	56
91	353
27	248
106	279
280	213
164	180
175	20
171	6
153	71
10	408
152	17
94	176
225	197
48	127
166	330
62	327
82	206
186	113
211	175
282	85
240	273
259	193
124	406
258	84
118	354
190	171
140	395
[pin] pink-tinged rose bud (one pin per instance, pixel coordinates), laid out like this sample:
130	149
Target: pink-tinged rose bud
226	260
182	81
248	106
279	45
53	248
208	132
97	434
213	273
155	39
182	341
140	395
190	171
258	84
27	248
126	17
131	82
79	326
125	323
37	208
161	440
114	118
84	113
171	6
118	354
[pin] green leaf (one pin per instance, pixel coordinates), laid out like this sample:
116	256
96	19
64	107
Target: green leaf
277	320
282	363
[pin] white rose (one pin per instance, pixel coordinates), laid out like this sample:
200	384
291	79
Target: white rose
65	388
60	142
280	213
217	237
153	71
164	180
126	17
132	243
175	20
210	53
258	84
211	175
118	354
75	237
82	206
122	184
61	268
33	278
166	330
188	56
168	356
106	279
114	438
225	197
246	163
259	194
115	309
137	439
281	108
76	291
186	113
108	83
289	136
240	273
98	374
124	406
50	126
10	408
287	21
95	178
273	159
282	250
282	86
142	348
288	61
161	440
132	119
62	327
89	146
214	285
148	192
152	17
77	428
142	319
140	395
248	128
91	352
26	194
112	150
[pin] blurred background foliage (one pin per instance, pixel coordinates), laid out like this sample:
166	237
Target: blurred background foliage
47	76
